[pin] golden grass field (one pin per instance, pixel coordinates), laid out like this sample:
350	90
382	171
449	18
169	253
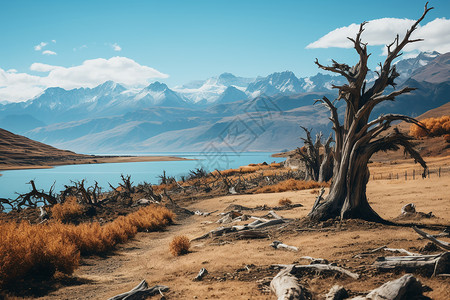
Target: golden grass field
239	268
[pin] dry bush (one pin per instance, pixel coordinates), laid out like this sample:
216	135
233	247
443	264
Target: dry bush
67	211
151	218
179	245
284	202
30	252
38	251
436	126
291	185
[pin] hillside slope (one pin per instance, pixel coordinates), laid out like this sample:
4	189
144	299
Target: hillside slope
21	151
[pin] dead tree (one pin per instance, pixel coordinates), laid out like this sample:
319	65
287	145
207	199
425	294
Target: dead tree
357	138
319	166
32	198
127	185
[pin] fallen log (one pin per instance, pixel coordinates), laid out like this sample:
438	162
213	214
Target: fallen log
430	265
268	223
337	292
385	248
442	244
285	285
250	234
314	260
280	245
405	288
141	292
322	268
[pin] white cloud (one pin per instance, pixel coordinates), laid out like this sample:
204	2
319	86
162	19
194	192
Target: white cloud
22	86
53	41
48	52
436	35
40	46
116	47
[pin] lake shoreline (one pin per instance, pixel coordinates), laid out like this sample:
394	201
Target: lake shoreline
91	160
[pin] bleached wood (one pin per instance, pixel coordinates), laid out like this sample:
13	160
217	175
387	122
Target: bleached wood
141	291
336	292
429	264
285	285
442	244
323	268
405	288
280	245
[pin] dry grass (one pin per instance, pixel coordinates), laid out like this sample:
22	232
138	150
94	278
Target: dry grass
30	251
67	211
38	251
291	185
179	245
436	126
284	202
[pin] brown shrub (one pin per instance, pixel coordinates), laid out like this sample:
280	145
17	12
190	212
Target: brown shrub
284	202
67	211
179	245
291	185
29	251
38	251
436	127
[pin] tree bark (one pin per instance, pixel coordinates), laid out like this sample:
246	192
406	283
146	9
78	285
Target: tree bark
357	139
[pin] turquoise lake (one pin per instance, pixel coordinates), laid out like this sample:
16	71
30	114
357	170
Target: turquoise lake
14	181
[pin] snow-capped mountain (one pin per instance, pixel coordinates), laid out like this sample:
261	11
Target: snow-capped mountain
406	67
159	94
209	90
231	94
284	83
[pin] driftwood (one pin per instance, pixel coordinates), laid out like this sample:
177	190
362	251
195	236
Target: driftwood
314	260
442	244
141	292
405	288
337	292
253	226
385	248
201	274
285	285
428	264
280	245
322	268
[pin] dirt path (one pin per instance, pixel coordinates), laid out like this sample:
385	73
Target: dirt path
237	269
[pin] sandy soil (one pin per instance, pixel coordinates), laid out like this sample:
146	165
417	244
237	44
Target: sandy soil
239	269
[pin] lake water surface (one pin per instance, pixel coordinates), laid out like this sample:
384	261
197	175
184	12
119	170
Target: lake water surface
14	181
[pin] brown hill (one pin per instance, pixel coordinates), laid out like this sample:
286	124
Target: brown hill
17	150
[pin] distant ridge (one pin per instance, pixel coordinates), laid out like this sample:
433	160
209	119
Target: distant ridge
18	150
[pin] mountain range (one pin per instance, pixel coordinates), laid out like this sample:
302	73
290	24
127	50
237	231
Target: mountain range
227	112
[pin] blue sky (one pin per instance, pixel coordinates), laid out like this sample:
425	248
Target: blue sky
184	40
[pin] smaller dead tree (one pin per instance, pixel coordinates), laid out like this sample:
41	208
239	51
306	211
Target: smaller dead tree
35	196
319	166
126	184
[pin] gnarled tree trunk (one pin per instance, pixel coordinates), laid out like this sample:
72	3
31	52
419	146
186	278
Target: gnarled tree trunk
357	138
